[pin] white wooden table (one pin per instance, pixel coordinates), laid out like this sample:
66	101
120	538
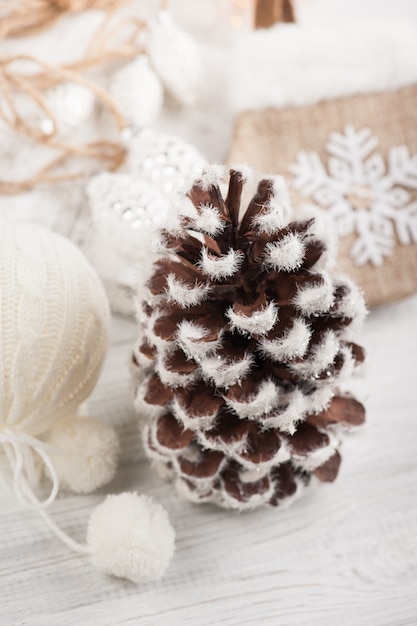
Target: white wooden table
344	554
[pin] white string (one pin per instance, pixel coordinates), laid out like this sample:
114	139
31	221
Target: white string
15	446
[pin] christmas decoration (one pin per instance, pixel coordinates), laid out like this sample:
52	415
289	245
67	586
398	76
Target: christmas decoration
165	160
141	543
125	208
363	193
175	57
138	92
341	123
84	452
128	208
126	212
246	344
54	327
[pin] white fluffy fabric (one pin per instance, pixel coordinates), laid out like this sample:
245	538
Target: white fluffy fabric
131	537
287	254
296	64
293	344
183	294
220	267
259	323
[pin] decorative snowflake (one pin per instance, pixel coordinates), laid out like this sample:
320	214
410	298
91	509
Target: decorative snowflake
363	193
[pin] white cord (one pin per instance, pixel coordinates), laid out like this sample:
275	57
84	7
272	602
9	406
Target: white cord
19	449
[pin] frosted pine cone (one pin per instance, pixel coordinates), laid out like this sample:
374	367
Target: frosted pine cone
246	341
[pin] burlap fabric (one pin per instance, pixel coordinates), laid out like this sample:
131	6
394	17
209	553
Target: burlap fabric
271	139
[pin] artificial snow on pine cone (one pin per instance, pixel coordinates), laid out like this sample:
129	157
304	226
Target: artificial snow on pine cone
246	344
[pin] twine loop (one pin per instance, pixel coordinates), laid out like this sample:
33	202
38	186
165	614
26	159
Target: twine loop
21	450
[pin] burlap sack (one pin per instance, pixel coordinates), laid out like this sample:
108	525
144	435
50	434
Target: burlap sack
272	141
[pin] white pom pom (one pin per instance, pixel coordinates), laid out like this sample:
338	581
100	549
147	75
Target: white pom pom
130	536
86	453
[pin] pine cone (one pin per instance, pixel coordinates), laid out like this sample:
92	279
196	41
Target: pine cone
246	340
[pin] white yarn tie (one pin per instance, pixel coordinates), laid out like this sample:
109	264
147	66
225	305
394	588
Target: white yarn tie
16	446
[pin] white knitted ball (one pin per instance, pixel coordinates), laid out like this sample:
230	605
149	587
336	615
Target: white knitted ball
86	452
131	537
54	328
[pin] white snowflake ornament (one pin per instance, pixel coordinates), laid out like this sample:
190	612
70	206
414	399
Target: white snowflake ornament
138	92
166	161
176	58
365	195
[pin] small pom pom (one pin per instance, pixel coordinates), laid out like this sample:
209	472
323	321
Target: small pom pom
130	536
86	453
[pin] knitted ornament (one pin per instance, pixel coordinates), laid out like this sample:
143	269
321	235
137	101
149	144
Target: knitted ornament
246	344
54	330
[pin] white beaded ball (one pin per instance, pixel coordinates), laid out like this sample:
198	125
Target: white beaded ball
166	161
